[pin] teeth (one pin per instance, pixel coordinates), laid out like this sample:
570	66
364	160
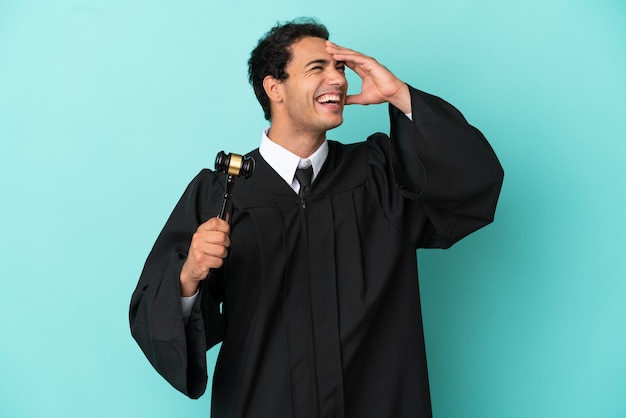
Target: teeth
328	98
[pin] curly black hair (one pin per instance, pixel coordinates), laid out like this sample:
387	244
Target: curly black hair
273	53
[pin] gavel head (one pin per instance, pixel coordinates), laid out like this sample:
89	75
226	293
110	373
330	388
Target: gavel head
234	164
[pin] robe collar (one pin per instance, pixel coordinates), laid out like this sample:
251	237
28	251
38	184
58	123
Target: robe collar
285	163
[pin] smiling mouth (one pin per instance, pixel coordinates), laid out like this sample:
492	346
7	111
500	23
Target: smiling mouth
332	98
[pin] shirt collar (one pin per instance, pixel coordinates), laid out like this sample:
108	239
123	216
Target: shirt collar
285	162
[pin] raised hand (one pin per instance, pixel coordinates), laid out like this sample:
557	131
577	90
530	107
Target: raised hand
379	85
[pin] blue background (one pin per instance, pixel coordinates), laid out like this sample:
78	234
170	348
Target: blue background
109	108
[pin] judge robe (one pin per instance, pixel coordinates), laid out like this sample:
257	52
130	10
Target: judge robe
317	305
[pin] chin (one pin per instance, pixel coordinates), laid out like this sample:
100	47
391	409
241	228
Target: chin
335	123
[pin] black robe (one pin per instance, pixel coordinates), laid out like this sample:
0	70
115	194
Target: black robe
317	307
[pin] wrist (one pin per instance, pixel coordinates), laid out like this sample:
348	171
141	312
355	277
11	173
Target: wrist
188	286
188	289
402	98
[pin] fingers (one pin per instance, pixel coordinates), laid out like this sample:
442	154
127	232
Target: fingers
333	49
354	60
210	242
216	224
209	248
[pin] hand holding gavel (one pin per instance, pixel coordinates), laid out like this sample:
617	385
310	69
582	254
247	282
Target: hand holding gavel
209	244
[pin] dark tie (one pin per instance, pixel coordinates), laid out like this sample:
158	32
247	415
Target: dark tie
303	175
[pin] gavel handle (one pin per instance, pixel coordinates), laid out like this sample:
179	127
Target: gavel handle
230	182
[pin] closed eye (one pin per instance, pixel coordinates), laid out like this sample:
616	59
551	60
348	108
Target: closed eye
316	65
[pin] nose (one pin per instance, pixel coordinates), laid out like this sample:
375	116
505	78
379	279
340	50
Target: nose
336	77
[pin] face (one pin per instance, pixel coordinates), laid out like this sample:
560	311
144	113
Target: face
315	89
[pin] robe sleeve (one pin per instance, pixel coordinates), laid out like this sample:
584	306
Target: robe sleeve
176	351
448	175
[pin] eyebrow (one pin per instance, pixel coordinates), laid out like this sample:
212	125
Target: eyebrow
322	61
317	61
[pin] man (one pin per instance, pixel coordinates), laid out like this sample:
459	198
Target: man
313	289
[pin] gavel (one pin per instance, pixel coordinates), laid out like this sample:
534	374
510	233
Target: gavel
234	165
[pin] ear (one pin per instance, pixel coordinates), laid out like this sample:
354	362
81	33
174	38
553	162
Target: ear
273	88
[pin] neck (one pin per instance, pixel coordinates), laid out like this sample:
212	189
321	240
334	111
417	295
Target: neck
303	144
